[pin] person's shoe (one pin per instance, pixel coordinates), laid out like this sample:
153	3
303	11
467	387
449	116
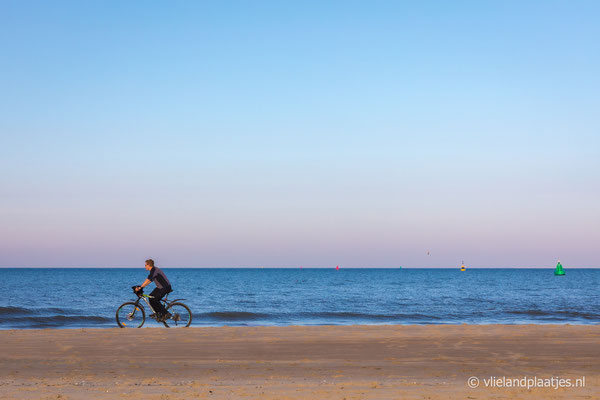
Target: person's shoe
153	315
164	317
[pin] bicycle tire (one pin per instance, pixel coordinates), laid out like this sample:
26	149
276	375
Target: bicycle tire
173	322
136	308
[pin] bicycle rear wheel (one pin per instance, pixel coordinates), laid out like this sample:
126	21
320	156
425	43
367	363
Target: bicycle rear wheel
130	315
181	316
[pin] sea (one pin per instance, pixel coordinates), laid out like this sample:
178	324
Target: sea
38	298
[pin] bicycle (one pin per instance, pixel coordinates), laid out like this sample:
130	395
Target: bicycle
131	314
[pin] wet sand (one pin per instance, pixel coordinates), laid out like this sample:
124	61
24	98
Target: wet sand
324	362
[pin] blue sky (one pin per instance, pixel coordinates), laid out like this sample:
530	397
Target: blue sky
222	134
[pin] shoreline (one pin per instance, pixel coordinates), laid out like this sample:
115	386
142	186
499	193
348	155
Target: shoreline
193	326
296	362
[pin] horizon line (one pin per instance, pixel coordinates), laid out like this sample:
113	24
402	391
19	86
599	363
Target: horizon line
302	267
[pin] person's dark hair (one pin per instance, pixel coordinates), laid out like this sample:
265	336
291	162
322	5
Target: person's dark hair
150	262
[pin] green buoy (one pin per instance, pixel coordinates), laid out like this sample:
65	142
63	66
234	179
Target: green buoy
559	269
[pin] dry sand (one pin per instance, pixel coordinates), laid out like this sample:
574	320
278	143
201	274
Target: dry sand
324	362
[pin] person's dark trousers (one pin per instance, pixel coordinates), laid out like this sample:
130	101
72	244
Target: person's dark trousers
158	294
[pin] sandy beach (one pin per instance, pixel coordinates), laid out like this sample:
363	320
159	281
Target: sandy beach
318	362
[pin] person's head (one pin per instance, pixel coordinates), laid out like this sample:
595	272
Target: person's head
149	264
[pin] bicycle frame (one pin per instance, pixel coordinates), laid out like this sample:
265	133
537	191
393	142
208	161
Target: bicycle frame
146	298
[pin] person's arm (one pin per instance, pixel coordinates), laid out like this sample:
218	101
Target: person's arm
146	283
149	279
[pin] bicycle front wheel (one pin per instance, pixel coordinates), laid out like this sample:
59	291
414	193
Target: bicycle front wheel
181	316
130	315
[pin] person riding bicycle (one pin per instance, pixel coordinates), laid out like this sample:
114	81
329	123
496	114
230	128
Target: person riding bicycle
163	287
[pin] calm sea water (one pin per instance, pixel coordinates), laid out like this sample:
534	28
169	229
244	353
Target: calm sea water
69	298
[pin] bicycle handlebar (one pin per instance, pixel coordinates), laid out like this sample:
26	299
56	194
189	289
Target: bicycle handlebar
137	292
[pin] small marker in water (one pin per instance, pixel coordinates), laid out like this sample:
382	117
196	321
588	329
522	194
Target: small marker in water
337	267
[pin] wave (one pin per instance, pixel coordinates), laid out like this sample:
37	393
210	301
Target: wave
14	310
235	315
373	317
250	316
56	321
562	314
36	311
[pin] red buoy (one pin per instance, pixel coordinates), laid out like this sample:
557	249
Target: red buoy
337	267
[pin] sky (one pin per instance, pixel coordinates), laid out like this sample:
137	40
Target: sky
286	134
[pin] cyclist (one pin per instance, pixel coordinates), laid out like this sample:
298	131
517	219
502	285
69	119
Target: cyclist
163	287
